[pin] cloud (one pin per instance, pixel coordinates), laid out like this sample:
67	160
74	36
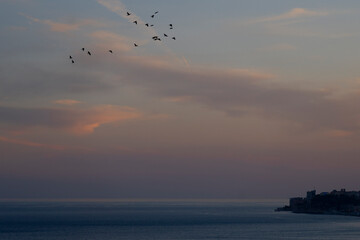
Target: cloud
292	14
288	24
178	99
65	27
69	102
116	41
339	133
287	29
238	92
74	121
31	144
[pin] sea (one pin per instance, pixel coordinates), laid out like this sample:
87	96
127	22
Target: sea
167	220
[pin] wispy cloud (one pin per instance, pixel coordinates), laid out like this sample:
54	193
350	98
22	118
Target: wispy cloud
31	144
239	92
69	102
286	29
106	40
65	27
292	14
339	133
290	23
74	121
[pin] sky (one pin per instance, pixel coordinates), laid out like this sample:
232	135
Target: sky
254	99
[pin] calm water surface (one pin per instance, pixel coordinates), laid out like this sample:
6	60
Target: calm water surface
96	220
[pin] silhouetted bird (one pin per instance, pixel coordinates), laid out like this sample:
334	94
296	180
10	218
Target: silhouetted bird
70	57
72	61
156	38
174	38
165	35
136	45
152	16
151	25
171	25
147	24
89	53
128	14
83	49
135	22
156	12
110	51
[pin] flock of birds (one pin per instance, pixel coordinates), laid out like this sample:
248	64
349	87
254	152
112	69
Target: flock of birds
155	38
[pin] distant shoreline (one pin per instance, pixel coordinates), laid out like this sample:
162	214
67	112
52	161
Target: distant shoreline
345	203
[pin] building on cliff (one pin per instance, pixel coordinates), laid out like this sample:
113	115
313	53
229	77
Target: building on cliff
336	202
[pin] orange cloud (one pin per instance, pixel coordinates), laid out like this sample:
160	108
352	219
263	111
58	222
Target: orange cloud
103	115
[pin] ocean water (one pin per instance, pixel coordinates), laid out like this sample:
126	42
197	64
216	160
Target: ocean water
157	220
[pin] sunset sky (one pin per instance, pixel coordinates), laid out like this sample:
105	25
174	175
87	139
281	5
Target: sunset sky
254	99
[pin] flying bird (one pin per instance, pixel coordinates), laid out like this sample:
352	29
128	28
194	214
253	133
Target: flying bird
151	25
70	57
110	51
83	49
136	45
89	53
72	61
165	35
147	24
135	22
156	12
128	14
153	16
174	38
156	38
